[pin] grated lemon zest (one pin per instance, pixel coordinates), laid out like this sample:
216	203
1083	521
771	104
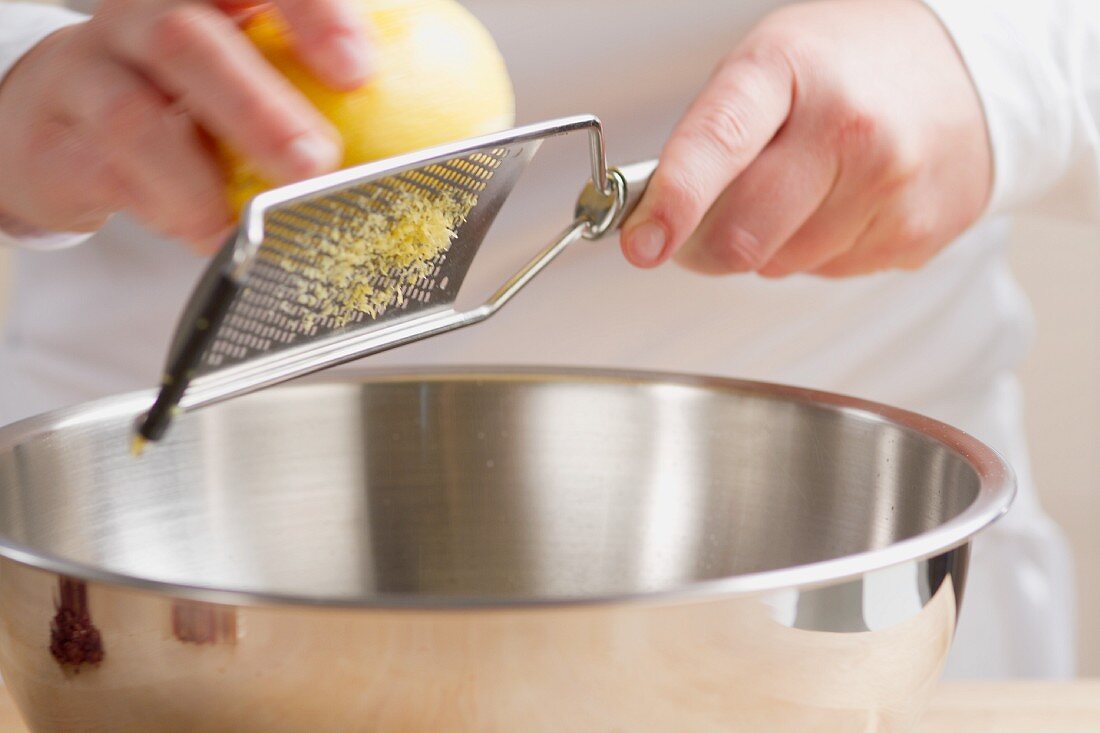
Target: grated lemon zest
364	264
137	445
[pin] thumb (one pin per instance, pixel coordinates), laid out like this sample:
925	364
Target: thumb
743	105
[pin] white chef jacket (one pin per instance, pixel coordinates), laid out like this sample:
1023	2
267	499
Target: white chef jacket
95	319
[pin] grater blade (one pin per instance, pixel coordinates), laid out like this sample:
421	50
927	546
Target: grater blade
318	273
295	291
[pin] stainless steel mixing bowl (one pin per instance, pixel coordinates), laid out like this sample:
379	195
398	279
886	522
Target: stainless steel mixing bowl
490	551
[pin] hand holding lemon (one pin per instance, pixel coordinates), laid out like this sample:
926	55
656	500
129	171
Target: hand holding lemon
438	77
172	112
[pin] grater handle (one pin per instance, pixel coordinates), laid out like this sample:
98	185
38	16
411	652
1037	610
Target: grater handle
605	212
204	313
636	179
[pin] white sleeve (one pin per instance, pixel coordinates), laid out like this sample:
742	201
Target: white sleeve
1036	66
22	26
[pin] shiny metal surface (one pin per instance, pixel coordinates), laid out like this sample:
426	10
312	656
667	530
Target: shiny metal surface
607	210
271	369
489	550
253	319
253	218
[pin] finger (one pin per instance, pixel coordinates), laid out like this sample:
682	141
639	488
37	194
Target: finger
200	58
170	173
234	8
240	10
208	245
868	180
743	106
895	238
830	232
330	37
763	207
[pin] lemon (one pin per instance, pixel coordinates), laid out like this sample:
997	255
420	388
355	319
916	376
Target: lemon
438	77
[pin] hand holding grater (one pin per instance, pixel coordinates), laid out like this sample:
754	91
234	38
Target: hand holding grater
348	264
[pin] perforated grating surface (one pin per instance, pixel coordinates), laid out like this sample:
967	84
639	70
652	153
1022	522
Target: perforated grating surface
317	273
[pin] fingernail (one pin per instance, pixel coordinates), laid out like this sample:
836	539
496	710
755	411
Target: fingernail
313	154
350	60
647	243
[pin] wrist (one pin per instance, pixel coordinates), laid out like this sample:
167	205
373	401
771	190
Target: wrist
23	219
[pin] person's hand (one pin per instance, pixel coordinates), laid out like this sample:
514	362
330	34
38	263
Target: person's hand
840	138
118	113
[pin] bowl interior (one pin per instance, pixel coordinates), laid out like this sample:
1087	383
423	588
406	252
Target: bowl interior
520	486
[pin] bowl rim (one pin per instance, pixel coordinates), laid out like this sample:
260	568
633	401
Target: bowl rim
996	492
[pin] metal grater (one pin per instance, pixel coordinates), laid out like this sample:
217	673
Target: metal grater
287	295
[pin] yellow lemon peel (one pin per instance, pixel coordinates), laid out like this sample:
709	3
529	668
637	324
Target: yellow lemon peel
438	77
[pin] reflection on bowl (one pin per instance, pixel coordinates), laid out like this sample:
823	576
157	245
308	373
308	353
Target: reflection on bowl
490	551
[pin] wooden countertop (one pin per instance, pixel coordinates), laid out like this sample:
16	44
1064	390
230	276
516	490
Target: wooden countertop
985	707
1016	707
